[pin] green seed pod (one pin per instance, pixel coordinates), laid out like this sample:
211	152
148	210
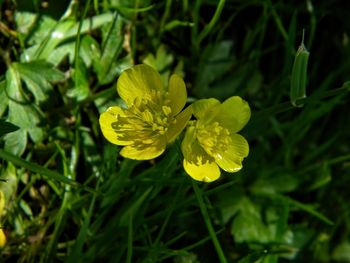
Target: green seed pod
299	75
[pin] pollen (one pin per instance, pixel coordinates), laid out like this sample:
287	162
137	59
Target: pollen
147	116
213	138
166	110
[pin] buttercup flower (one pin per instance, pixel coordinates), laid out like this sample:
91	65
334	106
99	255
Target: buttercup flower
2	205
2	238
212	141
153	117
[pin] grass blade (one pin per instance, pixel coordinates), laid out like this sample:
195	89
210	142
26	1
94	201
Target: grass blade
49	174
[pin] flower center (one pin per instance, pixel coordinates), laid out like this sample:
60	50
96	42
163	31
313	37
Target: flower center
213	138
146	119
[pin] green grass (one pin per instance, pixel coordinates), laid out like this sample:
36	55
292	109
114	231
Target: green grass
70	197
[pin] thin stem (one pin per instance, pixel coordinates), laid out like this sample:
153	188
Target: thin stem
77	43
278	21
285	106
130	239
330	162
165	15
212	22
208	223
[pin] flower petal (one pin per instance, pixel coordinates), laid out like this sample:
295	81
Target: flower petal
191	149
201	107
2	202
2	238
177	94
138	82
233	114
180	123
206	172
231	159
197	163
144	151
108	122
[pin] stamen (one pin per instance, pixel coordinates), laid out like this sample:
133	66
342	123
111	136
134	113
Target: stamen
166	110
214	138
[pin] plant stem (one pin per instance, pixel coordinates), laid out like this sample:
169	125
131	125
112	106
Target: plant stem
208	223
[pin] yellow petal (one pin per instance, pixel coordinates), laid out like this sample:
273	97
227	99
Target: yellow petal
180	123
190	147
197	163
144	151
177	94
231	159
233	114
138	82
2	202
206	172
202	107
2	238
109	122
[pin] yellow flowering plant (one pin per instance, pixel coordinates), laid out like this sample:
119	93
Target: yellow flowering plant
212	141
153	117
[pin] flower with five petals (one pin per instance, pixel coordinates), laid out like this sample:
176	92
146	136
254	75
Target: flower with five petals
212	141
153	117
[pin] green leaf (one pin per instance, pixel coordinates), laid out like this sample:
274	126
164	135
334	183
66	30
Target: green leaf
134	207
3	98
228	202
89	50
10	184
81	90
112	45
92	155
37	75
324	176
248	225
176	23
20	113
25	117
26	21
41	67
53	39
306	207
280	182
253	257
341	252
62	51
90	24
7	127
16	142
13	85
299	76
215	63
77	250
25	207
161	62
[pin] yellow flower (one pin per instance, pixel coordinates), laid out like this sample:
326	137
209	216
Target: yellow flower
2	205
212	141
2	238
153	117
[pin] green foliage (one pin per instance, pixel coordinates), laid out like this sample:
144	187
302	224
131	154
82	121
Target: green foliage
7	127
70	197
299	73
